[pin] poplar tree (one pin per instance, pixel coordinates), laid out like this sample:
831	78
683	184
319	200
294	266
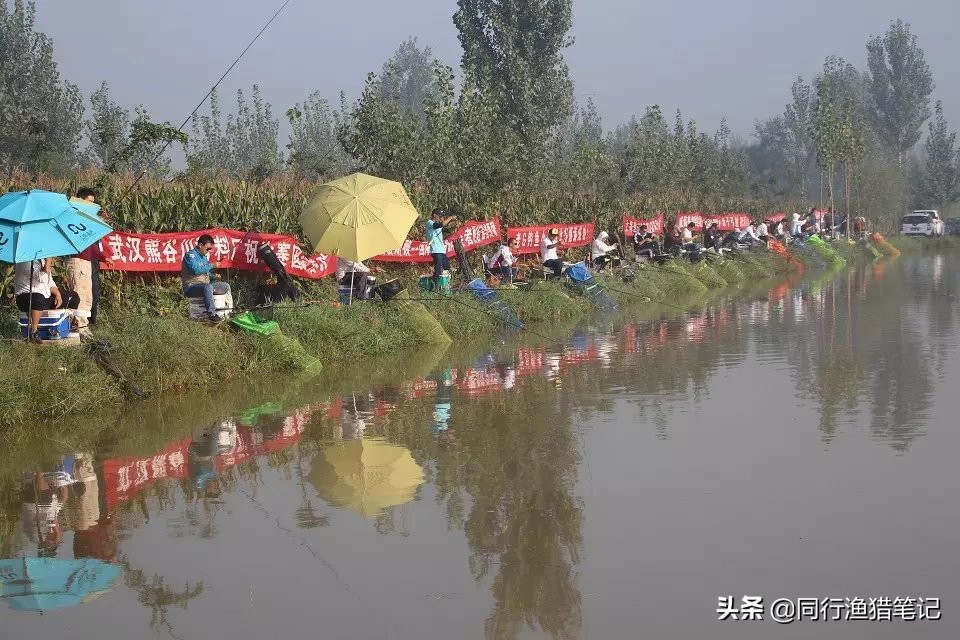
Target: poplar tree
513	56
41	116
900	85
940	182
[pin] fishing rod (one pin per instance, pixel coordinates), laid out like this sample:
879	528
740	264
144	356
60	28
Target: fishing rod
207	95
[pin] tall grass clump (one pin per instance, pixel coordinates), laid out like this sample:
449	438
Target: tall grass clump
49	382
544	302
344	334
173	353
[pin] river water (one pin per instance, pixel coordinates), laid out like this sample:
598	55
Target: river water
618	482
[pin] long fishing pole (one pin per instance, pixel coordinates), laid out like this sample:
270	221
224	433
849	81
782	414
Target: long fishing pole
207	95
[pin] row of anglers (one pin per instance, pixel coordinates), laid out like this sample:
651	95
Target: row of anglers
37	292
504	265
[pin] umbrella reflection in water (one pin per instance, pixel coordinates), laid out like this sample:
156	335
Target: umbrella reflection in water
365	475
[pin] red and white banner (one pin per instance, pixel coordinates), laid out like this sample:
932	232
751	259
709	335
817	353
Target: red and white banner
725	221
125	477
232	250
472	234
631	225
571	235
728	221
686	217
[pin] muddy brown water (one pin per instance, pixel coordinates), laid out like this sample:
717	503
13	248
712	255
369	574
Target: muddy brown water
617	482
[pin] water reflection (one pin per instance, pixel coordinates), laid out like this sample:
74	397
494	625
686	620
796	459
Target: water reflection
491	440
365	475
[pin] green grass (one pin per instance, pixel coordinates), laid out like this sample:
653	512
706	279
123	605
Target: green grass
924	245
40	383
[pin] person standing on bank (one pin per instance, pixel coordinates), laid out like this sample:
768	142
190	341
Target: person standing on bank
195	275
438	248
79	276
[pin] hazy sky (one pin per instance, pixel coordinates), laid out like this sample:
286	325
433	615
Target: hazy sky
710	58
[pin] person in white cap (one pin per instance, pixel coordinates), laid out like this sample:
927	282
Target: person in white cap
600	251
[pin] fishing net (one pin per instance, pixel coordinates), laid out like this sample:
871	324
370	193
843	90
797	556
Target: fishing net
583	280
884	246
249	322
420	321
708	275
291	353
488	297
824	250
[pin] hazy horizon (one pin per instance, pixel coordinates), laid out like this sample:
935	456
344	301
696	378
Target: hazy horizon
711	60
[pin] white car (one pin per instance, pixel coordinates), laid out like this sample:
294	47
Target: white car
926	222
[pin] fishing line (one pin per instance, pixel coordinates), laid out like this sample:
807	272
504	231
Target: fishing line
208	94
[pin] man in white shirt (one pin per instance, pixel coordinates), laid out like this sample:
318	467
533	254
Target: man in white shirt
600	251
355	275
687	237
763	230
750	235
795	225
41	293
548	252
503	261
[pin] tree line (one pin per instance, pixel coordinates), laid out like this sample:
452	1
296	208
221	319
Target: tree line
509	125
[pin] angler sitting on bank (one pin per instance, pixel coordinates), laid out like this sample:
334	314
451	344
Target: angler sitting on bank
712	238
503	263
36	292
686	238
549	256
356	275
600	252
196	274
645	243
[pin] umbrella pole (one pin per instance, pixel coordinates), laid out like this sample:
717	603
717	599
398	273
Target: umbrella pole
30	304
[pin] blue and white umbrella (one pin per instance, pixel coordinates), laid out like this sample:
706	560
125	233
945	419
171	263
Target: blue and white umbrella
42	584
41	224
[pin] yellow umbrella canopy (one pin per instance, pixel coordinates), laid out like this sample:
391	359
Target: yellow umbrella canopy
358	217
365	475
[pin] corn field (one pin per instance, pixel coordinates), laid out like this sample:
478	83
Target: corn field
274	205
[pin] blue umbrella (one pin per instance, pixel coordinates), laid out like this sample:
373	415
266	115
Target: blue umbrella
41	584
41	224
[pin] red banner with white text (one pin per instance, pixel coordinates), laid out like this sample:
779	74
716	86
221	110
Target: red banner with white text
631	225
686	217
728	221
232	250
777	217
725	221
571	235
473	234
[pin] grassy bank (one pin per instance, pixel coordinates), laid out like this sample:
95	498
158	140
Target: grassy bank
924	245
164	353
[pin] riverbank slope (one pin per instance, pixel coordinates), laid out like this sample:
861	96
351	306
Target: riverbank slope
153	347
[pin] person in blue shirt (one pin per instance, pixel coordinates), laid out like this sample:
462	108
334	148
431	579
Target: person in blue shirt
195	275
438	249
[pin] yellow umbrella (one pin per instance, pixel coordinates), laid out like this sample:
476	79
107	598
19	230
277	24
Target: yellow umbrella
358	217
366	475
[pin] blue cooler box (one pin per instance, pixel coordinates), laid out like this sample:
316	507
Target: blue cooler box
54	324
